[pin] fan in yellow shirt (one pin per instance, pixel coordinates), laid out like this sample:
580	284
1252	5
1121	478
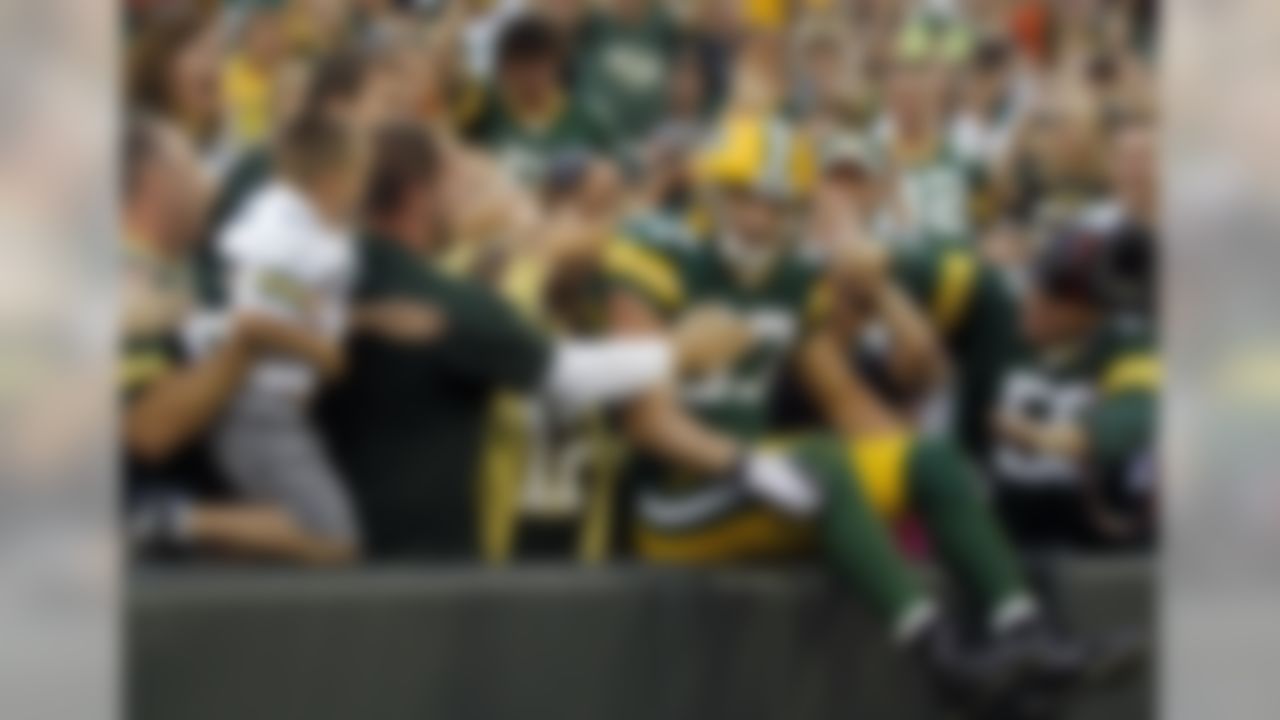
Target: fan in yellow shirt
249	78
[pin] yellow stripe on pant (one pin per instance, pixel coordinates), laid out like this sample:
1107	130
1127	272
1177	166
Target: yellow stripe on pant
750	533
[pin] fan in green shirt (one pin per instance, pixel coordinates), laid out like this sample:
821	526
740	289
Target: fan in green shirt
1076	412
529	118
934	180
622	62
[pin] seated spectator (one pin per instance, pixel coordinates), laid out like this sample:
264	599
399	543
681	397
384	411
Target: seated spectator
623	59
934	182
173	74
687	104
252	73
829	94
177	501
1072	449
1131	221
1060	169
530	117
993	100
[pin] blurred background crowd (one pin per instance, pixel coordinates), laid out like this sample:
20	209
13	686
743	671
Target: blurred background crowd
999	154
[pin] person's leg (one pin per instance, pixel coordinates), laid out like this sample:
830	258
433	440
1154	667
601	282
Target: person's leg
858	544
308	483
943	489
861	550
862	489
270	454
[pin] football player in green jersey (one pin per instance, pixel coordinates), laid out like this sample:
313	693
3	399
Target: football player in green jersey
830	491
969	305
1072	457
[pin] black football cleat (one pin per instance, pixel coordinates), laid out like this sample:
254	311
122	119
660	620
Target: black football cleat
1053	662
968	681
1026	702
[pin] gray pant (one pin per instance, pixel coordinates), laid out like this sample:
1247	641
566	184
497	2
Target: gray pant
270	453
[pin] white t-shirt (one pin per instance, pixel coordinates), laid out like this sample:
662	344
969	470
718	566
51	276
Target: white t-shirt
283	260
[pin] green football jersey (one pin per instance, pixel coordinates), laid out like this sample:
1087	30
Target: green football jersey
525	150
672	270
1108	387
621	70
975	314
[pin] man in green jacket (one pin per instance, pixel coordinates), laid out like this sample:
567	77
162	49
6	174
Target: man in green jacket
428	353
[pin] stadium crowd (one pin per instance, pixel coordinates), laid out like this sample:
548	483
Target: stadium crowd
496	279
675	282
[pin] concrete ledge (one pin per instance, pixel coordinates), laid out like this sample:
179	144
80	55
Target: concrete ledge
546	642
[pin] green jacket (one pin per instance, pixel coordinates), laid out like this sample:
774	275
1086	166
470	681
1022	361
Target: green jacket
406	422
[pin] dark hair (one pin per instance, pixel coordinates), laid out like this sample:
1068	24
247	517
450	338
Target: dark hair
160	39
1131	271
312	145
526	39
340	75
404	156
1071	264
991	54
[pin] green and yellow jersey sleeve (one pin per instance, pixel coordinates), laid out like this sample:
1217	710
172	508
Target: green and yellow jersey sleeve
145	358
646	259
647	274
945	280
975	315
1123	420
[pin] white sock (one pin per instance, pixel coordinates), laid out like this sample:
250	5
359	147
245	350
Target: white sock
914	620
1012	612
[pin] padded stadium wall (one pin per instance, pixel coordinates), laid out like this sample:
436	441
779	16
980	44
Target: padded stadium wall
547	642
